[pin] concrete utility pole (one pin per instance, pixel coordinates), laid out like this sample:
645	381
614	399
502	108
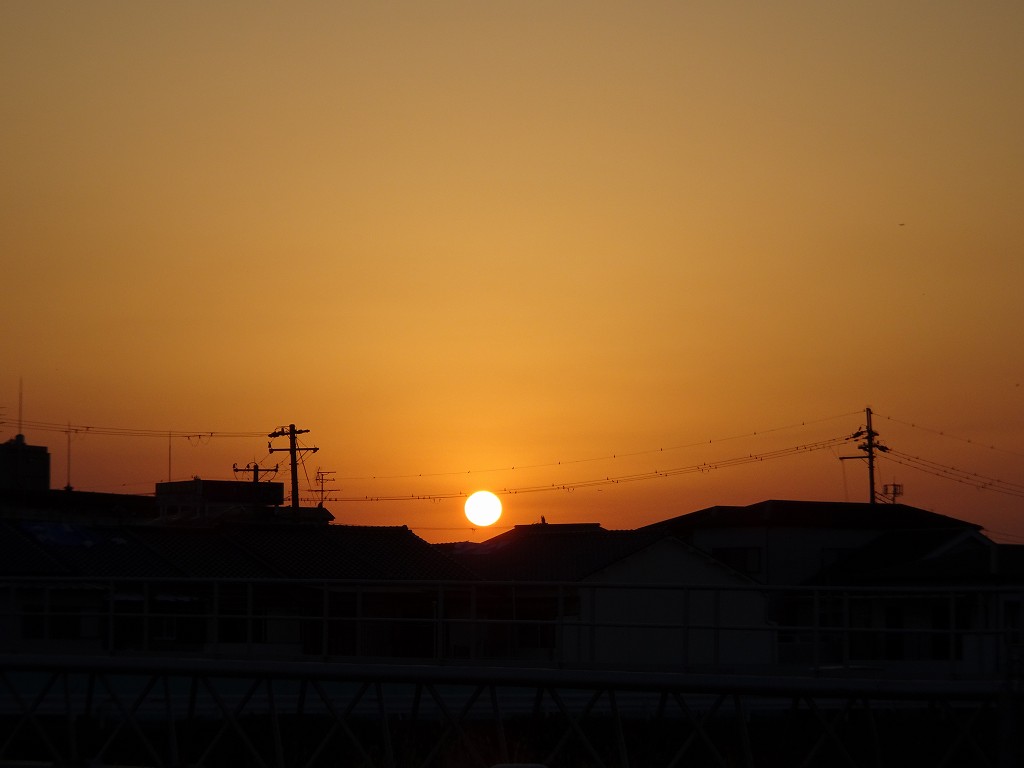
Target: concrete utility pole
869	446
293	450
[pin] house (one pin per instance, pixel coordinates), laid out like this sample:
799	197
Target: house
780	585
584	595
24	467
237	588
788	543
878	585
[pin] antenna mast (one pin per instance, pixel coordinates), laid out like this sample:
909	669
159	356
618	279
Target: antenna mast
322	478
293	451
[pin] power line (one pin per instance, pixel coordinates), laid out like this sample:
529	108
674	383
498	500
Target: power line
608	457
45	426
943	433
622	479
964	477
918	463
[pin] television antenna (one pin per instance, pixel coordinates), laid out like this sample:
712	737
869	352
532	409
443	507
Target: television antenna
322	478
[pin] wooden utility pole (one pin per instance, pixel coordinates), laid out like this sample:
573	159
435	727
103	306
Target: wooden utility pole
293	451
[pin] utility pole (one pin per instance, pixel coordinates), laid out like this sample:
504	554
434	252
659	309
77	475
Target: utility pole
869	446
256	469
293	451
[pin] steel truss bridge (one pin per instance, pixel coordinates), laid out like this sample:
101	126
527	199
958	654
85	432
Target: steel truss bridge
176	712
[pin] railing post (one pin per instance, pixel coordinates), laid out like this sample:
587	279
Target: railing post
560	625
215	616
718	628
951	633
816	608
359	621
145	616
248	619
325	620
472	621
110	617
439	624
846	629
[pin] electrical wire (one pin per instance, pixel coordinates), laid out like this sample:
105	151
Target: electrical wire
621	479
982	482
199	435
203	437
942	433
647	452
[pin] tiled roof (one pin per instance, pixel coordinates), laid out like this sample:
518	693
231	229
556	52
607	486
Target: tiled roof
544	552
21	555
96	551
200	552
812	514
345	552
78	506
224	551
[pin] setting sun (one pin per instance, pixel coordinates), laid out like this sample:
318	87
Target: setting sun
483	508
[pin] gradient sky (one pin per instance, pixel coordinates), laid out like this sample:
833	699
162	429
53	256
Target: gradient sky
454	237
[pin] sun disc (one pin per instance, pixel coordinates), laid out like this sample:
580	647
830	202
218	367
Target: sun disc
483	508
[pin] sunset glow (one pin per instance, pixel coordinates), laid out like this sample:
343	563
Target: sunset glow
483	508
598	254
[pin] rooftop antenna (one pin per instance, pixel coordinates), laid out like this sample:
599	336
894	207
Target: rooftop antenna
322	478
892	491
21	383
67	486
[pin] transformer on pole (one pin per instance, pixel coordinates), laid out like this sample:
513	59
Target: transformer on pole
293	450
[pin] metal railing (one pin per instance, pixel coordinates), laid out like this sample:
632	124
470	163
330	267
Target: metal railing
961	632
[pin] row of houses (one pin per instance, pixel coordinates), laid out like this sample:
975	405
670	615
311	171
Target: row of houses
213	568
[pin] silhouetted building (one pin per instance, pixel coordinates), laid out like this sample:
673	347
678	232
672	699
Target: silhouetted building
791	543
198	499
24	467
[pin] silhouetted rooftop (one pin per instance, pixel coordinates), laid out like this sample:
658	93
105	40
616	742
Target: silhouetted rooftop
551	552
39	548
777	513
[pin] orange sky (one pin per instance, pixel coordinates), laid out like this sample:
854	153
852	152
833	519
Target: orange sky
464	236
